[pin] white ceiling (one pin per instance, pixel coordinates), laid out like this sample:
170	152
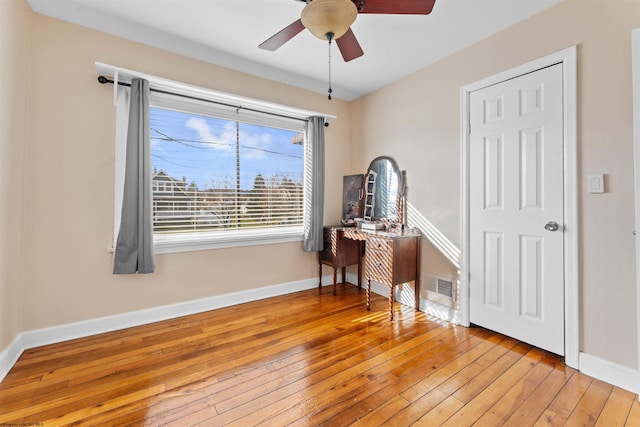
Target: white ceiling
228	32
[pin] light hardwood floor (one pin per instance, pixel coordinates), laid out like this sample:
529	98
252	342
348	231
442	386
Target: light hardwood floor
305	359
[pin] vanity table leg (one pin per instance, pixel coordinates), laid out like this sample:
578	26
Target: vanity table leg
391	299
320	276
368	294
360	266
335	279
344	274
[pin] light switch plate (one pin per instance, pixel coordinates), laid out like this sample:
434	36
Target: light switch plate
595	183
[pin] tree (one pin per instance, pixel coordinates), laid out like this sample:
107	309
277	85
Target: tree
258	198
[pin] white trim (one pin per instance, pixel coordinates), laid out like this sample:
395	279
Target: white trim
292	119
635	77
612	373
376	288
440	311
234	107
617	375
160	83
69	331
155	314
166	244
10	356
568	58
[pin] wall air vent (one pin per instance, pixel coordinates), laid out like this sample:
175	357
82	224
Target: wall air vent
445	287
443	291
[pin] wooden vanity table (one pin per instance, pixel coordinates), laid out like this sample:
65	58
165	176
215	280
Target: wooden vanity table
339	252
391	257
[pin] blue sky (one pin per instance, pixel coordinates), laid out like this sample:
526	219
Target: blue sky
203	149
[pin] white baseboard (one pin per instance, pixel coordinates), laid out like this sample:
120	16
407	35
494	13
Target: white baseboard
620	376
55	334
10	356
427	306
376	288
603	370
441	311
612	373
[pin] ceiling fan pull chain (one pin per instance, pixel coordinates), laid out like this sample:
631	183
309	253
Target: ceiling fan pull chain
329	37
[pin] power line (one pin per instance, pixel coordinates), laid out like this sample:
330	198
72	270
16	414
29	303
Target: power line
185	142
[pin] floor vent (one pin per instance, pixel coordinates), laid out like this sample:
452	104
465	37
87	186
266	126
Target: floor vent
445	287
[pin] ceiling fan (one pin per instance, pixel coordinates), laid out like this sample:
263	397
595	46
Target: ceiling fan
332	19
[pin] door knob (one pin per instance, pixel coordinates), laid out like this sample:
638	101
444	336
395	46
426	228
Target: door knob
551	226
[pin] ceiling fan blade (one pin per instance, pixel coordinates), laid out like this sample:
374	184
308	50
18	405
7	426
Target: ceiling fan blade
407	7
282	36
349	46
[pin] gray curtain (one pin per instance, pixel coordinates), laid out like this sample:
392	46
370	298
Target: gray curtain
134	247
315	207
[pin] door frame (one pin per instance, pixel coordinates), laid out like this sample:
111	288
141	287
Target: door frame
635	77
568	58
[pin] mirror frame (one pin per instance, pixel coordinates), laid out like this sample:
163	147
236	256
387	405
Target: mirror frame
400	198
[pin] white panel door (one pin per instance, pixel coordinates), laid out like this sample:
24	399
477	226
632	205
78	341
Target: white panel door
516	214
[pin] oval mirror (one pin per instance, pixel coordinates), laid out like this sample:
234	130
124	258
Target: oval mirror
383	190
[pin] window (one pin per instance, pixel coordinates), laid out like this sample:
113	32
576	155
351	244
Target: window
227	170
217	175
222	177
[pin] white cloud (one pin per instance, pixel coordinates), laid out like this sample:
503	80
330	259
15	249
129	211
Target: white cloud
252	143
257	141
222	142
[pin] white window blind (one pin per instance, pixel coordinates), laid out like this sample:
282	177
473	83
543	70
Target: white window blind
204	143
217	175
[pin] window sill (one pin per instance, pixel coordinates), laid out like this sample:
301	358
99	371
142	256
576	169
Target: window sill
165	244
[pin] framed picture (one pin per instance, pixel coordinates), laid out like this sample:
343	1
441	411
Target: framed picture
352	196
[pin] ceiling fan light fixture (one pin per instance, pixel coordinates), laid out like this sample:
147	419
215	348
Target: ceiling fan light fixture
322	17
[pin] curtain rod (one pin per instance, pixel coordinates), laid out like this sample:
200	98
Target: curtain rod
104	80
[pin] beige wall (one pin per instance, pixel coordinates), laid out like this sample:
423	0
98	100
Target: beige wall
13	86
70	174
417	121
57	210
